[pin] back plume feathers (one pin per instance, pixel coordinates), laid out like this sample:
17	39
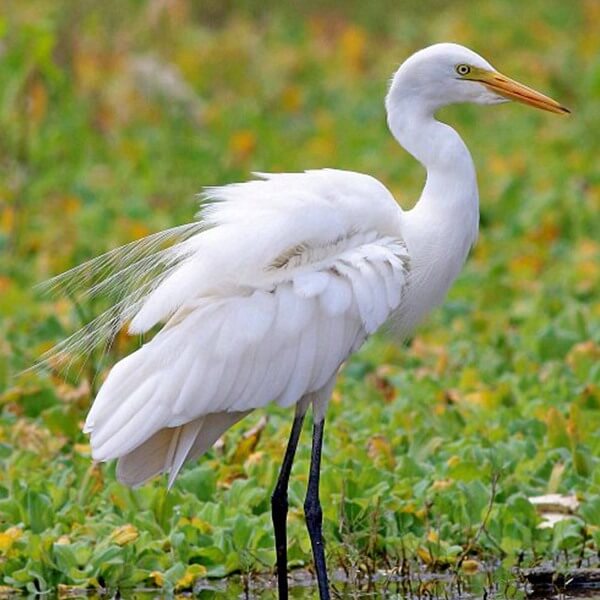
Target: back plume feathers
124	276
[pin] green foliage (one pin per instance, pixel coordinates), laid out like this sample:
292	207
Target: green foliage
431	449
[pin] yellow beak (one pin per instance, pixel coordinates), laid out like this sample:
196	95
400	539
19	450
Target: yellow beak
502	85
513	90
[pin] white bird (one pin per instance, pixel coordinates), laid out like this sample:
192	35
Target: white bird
278	282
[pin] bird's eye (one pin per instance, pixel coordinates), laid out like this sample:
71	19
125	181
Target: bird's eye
463	69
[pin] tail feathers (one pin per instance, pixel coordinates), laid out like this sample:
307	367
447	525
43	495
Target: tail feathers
215	424
168	449
180	447
147	460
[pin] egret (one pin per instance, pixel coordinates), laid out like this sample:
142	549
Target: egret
277	283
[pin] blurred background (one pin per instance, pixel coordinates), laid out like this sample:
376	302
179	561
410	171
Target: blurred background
115	114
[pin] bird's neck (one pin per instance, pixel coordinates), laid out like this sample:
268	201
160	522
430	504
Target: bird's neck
440	230
449	204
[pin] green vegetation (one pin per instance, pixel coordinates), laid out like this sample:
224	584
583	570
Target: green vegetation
497	397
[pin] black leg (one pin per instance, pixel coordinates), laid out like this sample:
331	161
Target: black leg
279	506
313	512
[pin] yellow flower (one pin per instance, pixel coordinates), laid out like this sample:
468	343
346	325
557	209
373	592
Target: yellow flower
124	534
441	484
192	573
158	578
9	537
470	567
433	536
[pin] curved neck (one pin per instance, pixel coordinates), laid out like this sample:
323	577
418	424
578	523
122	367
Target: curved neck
440	230
450	198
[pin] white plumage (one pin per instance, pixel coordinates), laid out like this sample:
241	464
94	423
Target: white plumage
252	319
282	278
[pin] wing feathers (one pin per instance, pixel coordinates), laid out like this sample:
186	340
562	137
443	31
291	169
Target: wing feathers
239	353
336	297
250	318
229	347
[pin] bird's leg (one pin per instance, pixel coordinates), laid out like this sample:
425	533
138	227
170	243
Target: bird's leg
313	512
279	502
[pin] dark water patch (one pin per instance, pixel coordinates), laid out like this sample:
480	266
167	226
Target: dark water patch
544	581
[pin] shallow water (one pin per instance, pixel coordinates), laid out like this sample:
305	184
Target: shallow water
492	585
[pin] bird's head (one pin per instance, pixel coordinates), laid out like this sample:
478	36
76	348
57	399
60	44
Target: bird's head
446	73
